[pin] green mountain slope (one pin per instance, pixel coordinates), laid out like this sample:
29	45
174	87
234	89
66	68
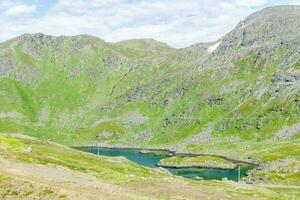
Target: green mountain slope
235	93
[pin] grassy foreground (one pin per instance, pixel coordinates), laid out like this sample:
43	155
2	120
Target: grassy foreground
31	168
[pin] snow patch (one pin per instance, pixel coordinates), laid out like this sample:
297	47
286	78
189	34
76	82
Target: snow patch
244	26
212	48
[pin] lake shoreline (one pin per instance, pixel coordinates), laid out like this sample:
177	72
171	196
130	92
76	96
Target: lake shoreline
192	167
214	169
170	153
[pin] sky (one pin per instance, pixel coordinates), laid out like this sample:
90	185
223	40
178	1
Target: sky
179	23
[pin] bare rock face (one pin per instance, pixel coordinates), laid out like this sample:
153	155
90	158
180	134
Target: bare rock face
6	67
278	167
204	136
106	134
136	118
288	132
261	33
266	26
44	115
13	115
33	44
287	78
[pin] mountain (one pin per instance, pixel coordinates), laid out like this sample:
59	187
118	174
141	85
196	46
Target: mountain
238	97
230	94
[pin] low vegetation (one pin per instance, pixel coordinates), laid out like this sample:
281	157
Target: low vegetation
241	101
31	168
197	161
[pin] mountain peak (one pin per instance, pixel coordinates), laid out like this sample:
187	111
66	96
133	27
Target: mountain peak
268	27
146	43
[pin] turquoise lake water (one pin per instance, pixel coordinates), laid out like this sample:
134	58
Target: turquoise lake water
150	160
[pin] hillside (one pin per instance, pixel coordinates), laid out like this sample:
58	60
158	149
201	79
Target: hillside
238	96
79	90
35	169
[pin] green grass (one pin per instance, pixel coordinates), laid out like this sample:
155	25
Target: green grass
90	87
120	171
109	169
201	161
283	156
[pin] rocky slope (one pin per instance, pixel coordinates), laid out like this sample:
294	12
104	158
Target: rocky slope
235	93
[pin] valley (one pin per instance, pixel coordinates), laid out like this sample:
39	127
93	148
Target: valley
237	97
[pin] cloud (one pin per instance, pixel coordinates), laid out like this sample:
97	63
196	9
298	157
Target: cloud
180	23
20	10
251	3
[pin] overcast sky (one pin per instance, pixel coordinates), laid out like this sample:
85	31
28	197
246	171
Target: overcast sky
179	23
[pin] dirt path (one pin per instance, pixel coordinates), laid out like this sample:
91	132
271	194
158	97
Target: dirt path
20	180
73	185
78	186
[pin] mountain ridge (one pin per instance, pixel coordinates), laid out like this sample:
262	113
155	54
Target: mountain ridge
267	11
75	84
237	97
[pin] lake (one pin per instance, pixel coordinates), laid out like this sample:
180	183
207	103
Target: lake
150	160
